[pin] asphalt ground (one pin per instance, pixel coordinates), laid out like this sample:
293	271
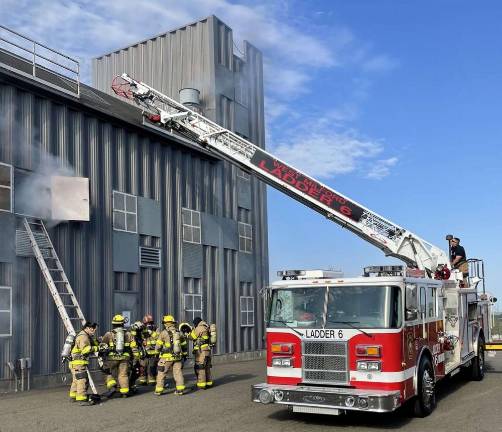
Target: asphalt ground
462	406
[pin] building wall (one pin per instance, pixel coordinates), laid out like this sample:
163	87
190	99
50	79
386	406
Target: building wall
201	55
115	155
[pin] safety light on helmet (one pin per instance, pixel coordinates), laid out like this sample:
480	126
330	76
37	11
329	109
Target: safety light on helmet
368	351
369	366
282	361
281	348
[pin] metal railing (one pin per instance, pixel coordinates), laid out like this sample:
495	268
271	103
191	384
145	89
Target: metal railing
39	55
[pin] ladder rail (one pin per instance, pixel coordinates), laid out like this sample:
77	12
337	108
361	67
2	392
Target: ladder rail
391	238
51	284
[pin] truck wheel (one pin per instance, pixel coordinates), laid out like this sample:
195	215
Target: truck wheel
425	401
478	363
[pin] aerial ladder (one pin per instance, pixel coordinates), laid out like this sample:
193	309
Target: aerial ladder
393	240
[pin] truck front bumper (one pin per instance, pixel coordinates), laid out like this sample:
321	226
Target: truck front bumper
321	400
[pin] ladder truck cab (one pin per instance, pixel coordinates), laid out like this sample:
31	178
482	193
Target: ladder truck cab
369	343
333	343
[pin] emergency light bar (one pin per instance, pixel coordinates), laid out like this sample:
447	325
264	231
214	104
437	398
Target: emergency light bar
309	274
396	270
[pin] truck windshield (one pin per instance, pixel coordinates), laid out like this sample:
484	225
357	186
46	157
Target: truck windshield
336	307
364	306
298	307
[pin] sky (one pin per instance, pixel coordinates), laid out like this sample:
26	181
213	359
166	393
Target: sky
395	104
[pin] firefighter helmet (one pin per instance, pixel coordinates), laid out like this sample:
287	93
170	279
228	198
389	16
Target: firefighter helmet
148	319
118	320
168	319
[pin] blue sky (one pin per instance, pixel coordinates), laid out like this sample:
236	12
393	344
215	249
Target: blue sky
395	104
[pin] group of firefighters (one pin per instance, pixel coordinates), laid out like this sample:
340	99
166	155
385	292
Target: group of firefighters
140	354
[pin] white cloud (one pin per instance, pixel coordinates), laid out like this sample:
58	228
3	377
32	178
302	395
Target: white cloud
328	154
381	168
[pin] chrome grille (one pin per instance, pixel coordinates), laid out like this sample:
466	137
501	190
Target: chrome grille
325	362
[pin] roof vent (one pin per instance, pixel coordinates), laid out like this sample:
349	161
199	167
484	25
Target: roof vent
190	97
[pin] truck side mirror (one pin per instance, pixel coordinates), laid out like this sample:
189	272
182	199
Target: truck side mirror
411	302
411	314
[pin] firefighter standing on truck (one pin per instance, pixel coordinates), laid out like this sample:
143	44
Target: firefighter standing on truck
120	348
84	345
149	363
169	346
204	337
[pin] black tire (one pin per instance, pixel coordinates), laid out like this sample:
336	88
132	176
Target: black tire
425	400
477	372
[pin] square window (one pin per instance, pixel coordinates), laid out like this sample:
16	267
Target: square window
5	202
191	225
5	175
131	222
4	299
198	303
187	234
119	220
186	216
118	201
5	327
196	235
130	203
196	219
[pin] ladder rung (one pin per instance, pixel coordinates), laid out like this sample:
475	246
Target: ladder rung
65	293
54	269
70	306
35	223
61	281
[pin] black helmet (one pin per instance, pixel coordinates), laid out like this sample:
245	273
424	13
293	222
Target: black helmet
196	321
89	324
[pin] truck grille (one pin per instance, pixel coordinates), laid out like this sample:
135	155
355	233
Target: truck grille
325	362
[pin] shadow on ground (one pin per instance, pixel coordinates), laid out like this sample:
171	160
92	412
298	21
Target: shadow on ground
394	420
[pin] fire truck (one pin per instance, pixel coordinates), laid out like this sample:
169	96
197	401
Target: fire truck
337	344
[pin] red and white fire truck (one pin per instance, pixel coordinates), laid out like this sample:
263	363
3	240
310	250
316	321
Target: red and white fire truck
370	343
335	344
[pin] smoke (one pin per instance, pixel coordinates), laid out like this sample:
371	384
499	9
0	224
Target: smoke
33	188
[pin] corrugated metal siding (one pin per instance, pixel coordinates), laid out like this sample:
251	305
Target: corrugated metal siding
114	157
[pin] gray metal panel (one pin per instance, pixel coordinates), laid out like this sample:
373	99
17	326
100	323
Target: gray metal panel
225	82
246	267
149	217
244	193
192	260
211	229
230	234
241	120
125	252
127	302
7	237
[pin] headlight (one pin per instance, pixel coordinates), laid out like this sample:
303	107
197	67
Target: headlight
369	365
265	396
282	361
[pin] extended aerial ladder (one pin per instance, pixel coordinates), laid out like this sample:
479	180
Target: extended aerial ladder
56	279
393	240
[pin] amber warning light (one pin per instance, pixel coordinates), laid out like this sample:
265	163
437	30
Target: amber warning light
282	348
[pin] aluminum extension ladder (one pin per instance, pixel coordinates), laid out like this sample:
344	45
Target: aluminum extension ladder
55	277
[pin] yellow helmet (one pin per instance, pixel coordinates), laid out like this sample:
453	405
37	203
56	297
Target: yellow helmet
118	319
168	319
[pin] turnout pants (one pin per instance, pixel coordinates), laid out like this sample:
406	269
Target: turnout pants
203	369
148	370
163	369
119	371
80	383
